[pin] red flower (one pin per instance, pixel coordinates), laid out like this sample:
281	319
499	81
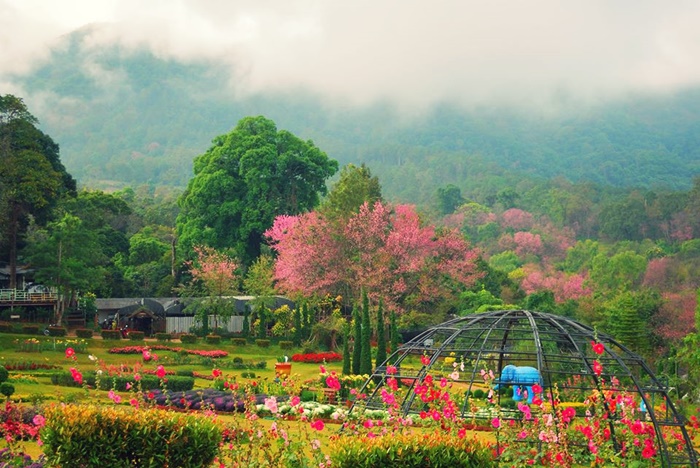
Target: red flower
160	372
70	353
598	348
597	368
537	388
425	360
648	452
216	373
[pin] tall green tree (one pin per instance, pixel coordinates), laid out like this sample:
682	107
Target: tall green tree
355	187
346	349
247	178
357	347
67	256
366	346
381	335
32	178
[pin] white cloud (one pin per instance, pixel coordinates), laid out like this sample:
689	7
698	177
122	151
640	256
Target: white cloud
409	50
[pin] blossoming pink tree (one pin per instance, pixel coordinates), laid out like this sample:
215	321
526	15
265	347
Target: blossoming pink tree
216	272
386	251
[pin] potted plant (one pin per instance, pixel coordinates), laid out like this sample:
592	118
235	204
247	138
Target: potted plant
283	366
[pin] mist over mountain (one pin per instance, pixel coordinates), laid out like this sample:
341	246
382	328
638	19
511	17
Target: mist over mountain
125	116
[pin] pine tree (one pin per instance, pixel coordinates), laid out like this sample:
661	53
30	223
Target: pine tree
262	325
394	330
366	356
298	332
346	349
246	322
357	349
381	336
306	319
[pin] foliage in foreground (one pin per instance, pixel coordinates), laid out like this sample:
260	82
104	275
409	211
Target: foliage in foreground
411	450
91	435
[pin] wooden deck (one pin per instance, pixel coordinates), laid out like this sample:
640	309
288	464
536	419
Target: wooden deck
17	297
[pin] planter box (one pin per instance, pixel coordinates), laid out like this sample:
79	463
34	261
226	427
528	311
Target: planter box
283	368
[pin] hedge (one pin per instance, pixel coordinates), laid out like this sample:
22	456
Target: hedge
111	334
239	341
263	343
434	450
57	331
7	327
164	336
188	338
120	436
286	344
213	339
30	329
83	333
136	335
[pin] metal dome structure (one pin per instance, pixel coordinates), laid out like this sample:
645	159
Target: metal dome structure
588	372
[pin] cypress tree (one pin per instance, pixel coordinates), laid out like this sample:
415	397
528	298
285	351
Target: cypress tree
297	327
346	349
366	353
381	337
357	348
394	330
246	322
262	326
306	329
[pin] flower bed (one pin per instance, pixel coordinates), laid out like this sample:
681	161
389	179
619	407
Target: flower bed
217	353
317	357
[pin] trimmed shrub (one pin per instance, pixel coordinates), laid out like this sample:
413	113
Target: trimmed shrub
434	450
30	329
213	339
135	335
188	338
90	435
174	383
7	389
4	375
111	334
84	333
286	345
57	331
239	341
164	336
263	343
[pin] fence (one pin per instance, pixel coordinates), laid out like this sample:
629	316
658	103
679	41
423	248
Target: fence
183	324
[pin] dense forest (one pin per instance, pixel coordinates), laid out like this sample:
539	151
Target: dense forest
594	215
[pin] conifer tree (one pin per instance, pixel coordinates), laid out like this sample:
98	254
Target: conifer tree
381	336
298	331
262	325
246	322
306	319
366	353
357	349
346	349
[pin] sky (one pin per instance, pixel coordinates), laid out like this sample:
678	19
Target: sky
408	51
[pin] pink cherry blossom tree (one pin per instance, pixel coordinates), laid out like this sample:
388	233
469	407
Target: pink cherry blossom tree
215	272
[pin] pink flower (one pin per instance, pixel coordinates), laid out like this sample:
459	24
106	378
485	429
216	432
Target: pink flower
536	388
137	377
333	382
134	402
128	385
271	405
160	372
391	370
322	369
318	425
454	375
77	376
295	400
425	360
496	423
70	353
39	420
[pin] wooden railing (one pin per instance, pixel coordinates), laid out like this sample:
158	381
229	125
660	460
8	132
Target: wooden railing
17	296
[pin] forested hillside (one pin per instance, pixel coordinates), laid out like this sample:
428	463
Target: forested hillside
129	118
